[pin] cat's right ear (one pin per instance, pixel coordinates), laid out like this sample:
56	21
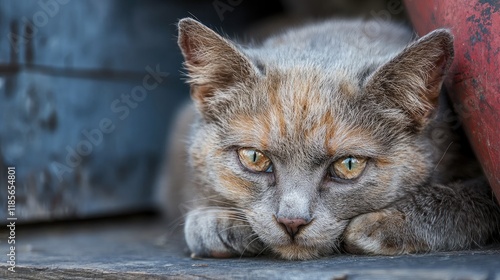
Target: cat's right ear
214	64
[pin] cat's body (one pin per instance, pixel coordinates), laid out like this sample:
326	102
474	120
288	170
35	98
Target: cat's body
324	136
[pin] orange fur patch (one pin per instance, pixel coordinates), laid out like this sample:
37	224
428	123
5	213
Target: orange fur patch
235	184
253	131
275	105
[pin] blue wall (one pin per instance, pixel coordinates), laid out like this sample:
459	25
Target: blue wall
85	134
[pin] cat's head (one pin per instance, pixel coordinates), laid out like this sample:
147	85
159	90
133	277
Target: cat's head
301	150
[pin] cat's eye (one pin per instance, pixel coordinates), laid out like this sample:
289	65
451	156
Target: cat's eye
348	168
255	160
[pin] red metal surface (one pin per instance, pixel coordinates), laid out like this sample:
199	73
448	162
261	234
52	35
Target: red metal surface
474	80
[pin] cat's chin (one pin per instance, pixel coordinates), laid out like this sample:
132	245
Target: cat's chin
300	252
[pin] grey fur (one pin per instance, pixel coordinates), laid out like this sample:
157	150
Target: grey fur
306	98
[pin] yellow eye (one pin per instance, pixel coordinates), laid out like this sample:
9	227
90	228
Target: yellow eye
348	168
255	160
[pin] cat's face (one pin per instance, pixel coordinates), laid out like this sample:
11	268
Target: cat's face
298	152
289	156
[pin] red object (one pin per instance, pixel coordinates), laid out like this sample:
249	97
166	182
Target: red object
474	80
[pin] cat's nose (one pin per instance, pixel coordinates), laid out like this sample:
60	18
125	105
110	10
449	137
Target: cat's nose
293	226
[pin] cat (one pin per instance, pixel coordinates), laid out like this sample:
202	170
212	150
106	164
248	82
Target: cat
322	140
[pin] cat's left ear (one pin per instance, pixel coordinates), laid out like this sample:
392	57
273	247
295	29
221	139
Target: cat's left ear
214	64
412	80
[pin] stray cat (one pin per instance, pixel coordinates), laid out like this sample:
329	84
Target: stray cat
322	140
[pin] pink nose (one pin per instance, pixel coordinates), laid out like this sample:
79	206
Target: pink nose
292	226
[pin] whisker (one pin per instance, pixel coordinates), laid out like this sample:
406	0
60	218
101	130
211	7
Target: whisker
217	213
443	155
212	198
237	226
336	247
219	209
263	250
246	247
250	236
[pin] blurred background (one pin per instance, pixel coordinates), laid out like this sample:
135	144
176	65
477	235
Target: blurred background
89	90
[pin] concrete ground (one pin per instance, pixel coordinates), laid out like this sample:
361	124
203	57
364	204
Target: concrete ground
142	247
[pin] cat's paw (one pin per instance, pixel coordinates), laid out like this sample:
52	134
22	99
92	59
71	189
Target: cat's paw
384	232
212	234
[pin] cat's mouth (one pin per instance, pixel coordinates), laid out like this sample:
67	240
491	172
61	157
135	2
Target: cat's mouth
296	251
314	240
302	248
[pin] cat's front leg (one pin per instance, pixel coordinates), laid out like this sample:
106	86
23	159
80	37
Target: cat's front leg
220	233
385	232
435	217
